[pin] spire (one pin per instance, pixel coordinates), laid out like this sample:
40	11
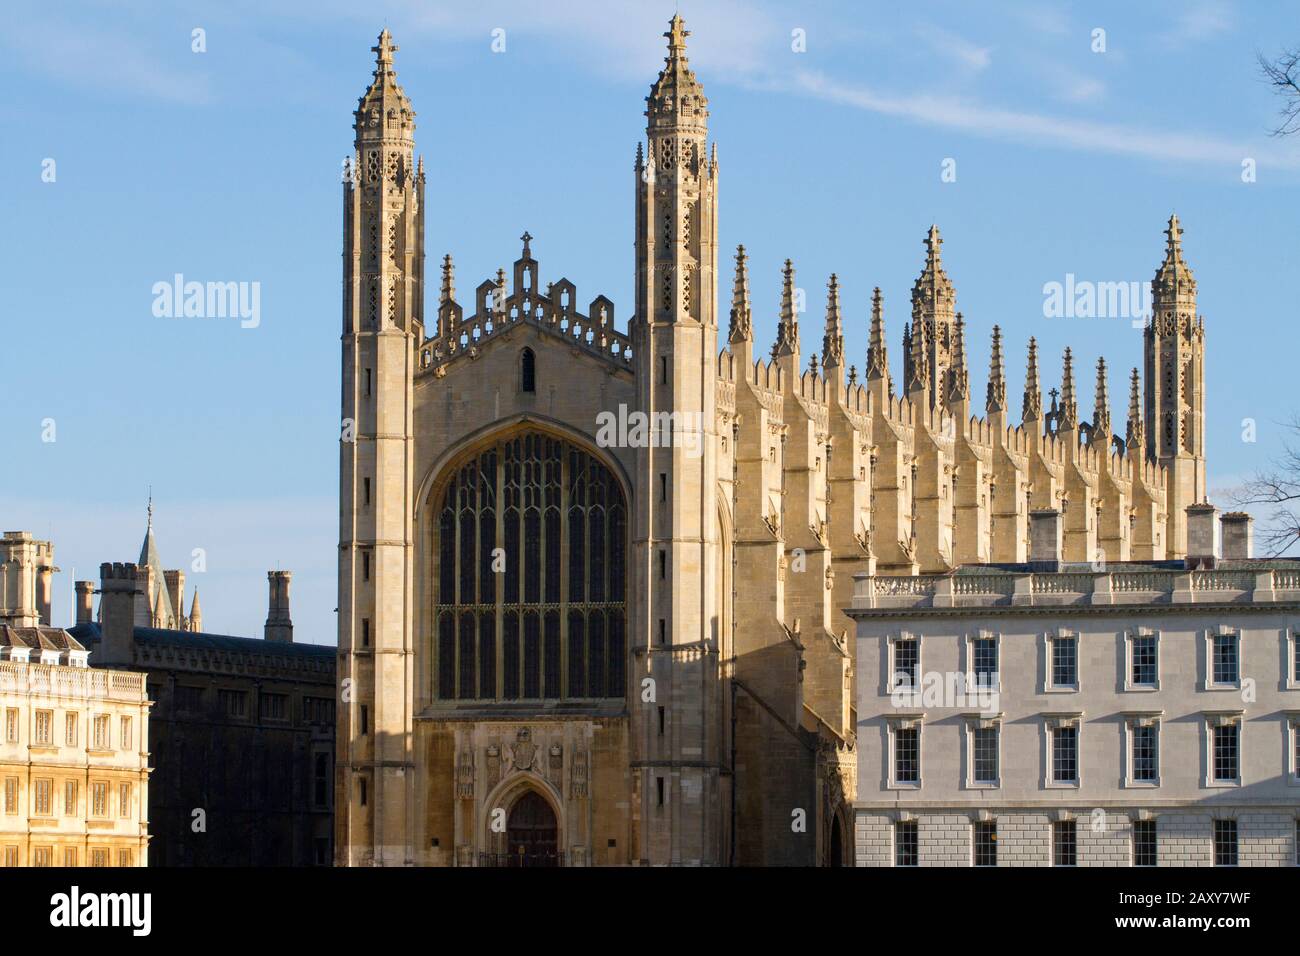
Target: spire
741	328
1101	408
1173	290
448	293
907	354
920	361
996	398
1135	438
1069	406
787	330
1033	403
877	354
833	339
384	111
196	614
959	380
676	99
159	602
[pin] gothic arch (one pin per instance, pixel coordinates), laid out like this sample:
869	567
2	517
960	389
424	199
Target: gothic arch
506	794
553	621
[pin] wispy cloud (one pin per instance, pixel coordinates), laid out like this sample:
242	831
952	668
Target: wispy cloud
1037	128
1199	21
955	48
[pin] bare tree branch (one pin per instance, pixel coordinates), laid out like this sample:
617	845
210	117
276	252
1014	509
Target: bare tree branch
1279	488
1283	74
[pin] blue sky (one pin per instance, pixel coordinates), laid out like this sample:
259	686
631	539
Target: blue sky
224	166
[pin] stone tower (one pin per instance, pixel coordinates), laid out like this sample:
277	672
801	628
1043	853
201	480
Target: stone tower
1175	387
677	557
383	273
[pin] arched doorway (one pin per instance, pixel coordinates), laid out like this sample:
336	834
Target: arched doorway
837	842
531	832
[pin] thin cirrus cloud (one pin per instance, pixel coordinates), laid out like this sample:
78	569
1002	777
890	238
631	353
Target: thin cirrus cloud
1035	128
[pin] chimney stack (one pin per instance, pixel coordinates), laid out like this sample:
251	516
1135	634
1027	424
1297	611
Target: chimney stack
1202	535
1045	536
85	601
279	626
120	587
176	594
1238	538
26	579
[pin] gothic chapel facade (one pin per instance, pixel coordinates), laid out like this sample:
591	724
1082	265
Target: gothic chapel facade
555	650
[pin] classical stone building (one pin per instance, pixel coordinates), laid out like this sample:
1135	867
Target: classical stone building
591	581
1137	713
74	739
242	729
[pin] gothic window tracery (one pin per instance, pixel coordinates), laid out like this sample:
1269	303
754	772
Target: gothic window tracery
544	617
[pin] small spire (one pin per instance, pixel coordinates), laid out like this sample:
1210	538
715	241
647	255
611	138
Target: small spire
1101	407
996	397
1174	283
741	329
959	381
833	339
384	52
907	353
676	99
676	35
448	292
877	353
787	330
920	362
812	363
526	238
1069	407
149	512
1136	435
1033	403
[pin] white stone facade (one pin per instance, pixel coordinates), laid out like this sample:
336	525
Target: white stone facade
1187	701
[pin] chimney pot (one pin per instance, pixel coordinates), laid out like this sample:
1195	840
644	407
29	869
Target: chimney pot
1237	535
1202	535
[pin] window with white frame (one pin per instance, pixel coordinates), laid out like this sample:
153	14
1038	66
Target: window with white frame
906	844
1223	665
905	752
1062	739
1225	842
1223	748
1063	664
100	739
43	797
1065	843
1293	660
1144	750
1145	846
983	750
984	661
905	666
1143	671
984	843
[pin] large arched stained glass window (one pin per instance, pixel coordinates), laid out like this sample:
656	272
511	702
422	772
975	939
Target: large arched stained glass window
544	617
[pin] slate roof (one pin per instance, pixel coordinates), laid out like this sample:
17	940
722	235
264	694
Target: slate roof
90	634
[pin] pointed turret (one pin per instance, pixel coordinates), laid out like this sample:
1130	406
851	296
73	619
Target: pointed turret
1135	437
1069	411
833	339
907	354
1174	279
741	328
384	112
1101	409
995	399
448	291
787	329
1032	407
677	98
195	622
958	378
877	352
933	316
918	383
158	603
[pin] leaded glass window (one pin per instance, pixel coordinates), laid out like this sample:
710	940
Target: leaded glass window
544	617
